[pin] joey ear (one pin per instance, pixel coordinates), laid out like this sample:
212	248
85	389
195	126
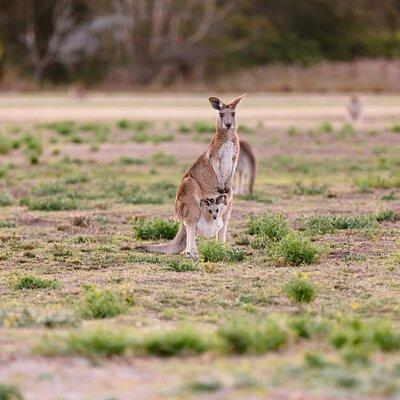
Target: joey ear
222	199
216	103
235	104
204	202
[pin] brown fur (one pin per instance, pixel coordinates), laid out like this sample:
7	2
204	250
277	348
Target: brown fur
209	175
246	169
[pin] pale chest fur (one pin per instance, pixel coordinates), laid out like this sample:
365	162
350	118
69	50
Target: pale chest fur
210	227
227	156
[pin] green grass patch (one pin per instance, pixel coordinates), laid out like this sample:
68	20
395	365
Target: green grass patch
154	228
273	227
163	159
10	392
179	265
50	203
6	144
102	303
375	181
203	127
296	249
215	251
30	282
243	336
299	289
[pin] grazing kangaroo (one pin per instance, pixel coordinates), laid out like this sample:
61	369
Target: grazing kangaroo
354	109
208	177
246	169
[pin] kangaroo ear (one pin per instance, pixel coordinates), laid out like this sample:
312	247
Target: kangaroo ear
222	199
204	202
216	103
235	104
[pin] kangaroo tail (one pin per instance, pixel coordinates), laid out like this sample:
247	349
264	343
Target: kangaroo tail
247	149
176	246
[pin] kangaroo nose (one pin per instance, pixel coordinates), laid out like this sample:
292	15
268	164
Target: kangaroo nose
214	216
228	125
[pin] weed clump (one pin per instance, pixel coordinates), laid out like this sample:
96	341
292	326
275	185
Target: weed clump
244	336
216	251
270	226
102	303
299	290
30	282
296	249
53	203
183	341
178	265
10	392
6	145
154	228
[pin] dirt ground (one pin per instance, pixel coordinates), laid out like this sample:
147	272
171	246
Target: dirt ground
310	164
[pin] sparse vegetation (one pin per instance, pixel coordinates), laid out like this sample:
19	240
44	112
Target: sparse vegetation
102	303
29	282
299	289
154	228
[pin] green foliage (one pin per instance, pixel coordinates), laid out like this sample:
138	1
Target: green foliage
297	249
131	161
183	341
33	148
102	303
179	265
270	226
10	392
5	200
325	127
64	128
322	224
154	228
29	282
310	190
50	203
162	159
395	128
256	196
99	341
299	289
6	145
203	127
137	126
246	336
374	181
212	250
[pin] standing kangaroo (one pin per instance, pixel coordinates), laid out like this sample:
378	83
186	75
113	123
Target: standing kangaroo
246	169
208	177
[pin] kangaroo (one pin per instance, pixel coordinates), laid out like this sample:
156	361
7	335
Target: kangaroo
209	176
210	221
246	169
354	109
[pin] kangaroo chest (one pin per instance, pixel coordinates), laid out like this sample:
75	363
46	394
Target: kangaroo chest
227	155
207	227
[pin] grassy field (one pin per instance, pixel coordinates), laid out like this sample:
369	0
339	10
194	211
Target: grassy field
302	303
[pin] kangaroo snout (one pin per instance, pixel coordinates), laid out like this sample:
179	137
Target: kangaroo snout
228	124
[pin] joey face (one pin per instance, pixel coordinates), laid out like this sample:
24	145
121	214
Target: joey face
226	118
213	207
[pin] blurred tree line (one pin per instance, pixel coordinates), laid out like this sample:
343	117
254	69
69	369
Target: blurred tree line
160	42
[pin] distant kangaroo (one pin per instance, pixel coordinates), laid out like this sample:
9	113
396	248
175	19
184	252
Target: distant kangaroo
208	177
246	169
354	109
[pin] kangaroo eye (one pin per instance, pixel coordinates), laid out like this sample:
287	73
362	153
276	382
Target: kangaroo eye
233	114
210	211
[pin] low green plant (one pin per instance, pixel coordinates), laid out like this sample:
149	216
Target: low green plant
212	250
5	199
325	127
102	303
395	128
375	181
50	203
95	342
29	282
64	128
310	190
203	127
271	226
154	228
299	289
296	249
163	159
181	341
6	145
10	392
131	161
243	336
179	265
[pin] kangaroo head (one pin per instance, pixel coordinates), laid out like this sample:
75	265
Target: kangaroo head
213	206
226	118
